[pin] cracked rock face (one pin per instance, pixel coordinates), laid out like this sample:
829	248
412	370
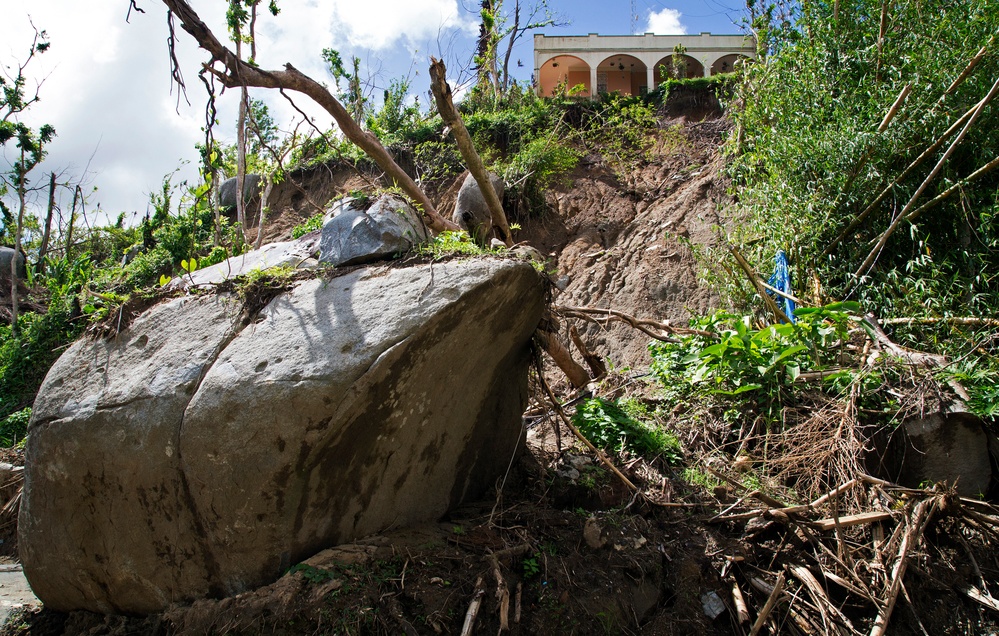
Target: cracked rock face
193	457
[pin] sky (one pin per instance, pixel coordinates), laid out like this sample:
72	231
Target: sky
122	126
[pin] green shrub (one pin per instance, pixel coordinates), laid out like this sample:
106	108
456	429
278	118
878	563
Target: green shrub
25	358
608	426
14	427
313	223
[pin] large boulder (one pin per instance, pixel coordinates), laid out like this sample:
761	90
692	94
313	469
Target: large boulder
7	254
198	455
353	234
227	191
471	212
294	254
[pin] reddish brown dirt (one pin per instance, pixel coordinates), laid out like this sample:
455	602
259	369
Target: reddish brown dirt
626	245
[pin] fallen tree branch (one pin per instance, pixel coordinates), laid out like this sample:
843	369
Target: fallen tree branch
240	73
473	608
920	518
852	520
576	374
645	325
445	106
969	321
768	607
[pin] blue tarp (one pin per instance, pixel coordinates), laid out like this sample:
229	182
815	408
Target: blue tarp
781	280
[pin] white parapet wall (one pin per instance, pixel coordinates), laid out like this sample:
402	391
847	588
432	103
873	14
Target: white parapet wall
631	64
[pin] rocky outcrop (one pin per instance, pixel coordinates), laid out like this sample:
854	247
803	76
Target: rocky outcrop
471	212
195	457
353	235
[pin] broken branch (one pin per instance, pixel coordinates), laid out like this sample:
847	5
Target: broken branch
445	105
240	73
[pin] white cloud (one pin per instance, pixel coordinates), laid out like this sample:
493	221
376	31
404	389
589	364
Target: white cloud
378	24
665	22
107	82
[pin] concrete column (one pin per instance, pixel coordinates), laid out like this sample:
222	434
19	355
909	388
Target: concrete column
593	81
650	74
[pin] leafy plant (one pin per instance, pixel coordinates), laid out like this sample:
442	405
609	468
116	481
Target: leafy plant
608	426
14	427
737	361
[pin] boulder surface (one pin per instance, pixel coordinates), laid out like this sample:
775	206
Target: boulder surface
227	190
353	235
7	254
197	457
471	212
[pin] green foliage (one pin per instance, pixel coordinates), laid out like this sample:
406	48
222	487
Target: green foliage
25	356
530	566
608	426
450	244
810	157
14	427
752	368
313	223
721	84
397	113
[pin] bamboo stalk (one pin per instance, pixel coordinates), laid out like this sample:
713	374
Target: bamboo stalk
768	607
869	261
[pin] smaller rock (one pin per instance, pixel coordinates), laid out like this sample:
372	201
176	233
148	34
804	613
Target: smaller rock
528	253
471	212
351	235
7	254
712	604
593	534
227	191
569	473
579	461
296	254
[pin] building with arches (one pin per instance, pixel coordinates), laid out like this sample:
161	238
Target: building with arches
631	64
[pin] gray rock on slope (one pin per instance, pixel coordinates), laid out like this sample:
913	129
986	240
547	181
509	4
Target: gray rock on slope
7	254
471	212
191	457
227	190
352	235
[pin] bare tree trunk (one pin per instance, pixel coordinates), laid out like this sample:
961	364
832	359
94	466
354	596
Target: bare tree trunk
241	142
72	219
509	47
241	162
44	248
239	73
264	198
577	375
17	246
442	95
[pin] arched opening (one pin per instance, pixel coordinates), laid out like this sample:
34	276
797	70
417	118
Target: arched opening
728	63
683	66
625	74
563	73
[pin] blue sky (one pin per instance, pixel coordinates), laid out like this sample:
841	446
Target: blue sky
106	84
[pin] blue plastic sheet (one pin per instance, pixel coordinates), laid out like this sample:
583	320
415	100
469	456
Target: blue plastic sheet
781	280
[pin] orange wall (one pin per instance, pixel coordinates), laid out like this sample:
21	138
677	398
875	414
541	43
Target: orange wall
551	77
